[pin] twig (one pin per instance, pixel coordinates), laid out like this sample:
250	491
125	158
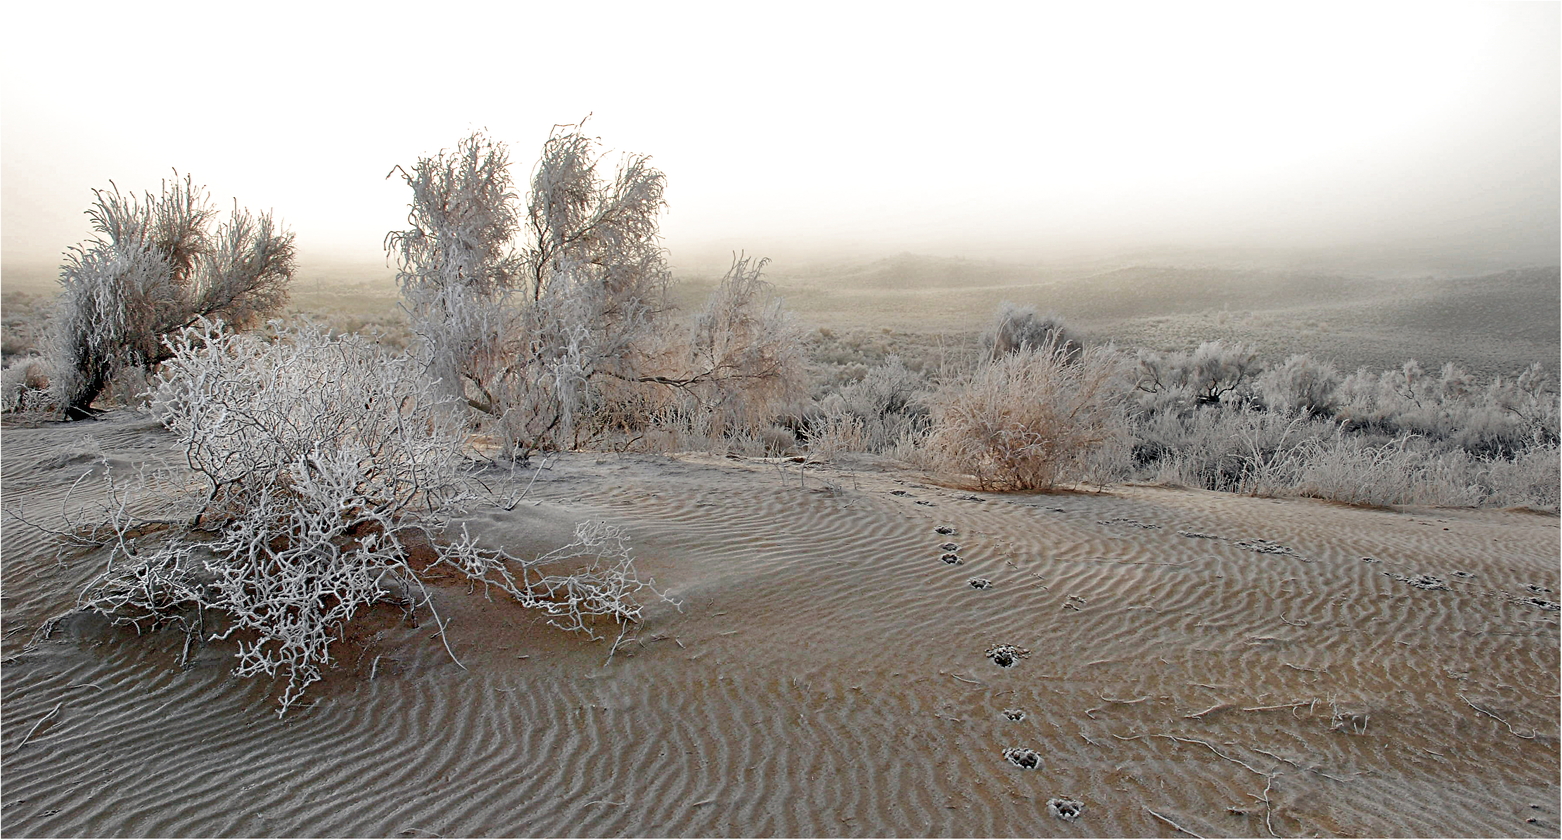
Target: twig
624	628
1179	738
443	639
964	680
1281	706
1300	767
1211	710
1529	737
1300	668
1269	807
1168	821
41	721
1301	623
1107	699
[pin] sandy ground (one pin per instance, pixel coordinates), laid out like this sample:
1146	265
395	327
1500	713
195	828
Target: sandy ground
1198	662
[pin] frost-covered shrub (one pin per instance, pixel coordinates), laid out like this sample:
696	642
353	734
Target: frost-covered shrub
1018	327
1452	410
1232	450
1028	421
1212	373
319	463
888	407
743	360
24	385
458	264
1351	470
154	268
1300	384
1532	478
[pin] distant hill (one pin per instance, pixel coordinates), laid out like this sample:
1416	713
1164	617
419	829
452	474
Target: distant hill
1491	324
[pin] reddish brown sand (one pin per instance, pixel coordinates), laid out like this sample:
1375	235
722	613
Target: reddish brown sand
826	673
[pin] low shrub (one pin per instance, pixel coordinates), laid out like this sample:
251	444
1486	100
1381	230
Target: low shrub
320	462
1031	420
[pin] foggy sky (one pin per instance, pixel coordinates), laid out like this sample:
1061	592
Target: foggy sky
1014	130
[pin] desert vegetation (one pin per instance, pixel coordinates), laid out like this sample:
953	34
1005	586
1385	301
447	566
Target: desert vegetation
324	468
327	474
551	321
156	267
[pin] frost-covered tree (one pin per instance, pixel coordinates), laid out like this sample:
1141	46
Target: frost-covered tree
458	263
155	267
549	320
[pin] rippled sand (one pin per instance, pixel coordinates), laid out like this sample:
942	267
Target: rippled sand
1197	662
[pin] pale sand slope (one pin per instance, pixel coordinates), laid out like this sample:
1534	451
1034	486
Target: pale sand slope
826	674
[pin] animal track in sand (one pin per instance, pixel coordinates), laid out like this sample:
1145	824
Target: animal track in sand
1429	582
980	583
946	530
951	558
1065	808
1024	758
949	547
1269	547
1123	520
1014	714
1007	656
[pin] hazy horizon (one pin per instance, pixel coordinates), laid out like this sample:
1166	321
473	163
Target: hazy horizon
1384	137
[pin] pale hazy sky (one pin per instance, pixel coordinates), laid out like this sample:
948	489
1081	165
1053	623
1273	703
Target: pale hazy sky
874	127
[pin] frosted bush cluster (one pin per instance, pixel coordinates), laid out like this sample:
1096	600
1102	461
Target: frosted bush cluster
156	267
320	462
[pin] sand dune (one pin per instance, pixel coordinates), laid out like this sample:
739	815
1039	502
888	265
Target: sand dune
1228	664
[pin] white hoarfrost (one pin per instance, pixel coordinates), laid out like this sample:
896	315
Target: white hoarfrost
320	462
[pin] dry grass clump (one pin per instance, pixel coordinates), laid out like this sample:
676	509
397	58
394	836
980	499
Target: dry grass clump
1031	420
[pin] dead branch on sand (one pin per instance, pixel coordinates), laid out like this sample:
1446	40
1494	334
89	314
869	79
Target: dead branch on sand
1530	737
1169	822
41	721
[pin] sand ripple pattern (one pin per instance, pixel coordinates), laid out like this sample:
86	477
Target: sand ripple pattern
826	676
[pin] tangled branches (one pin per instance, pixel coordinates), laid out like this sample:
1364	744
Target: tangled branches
319	460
